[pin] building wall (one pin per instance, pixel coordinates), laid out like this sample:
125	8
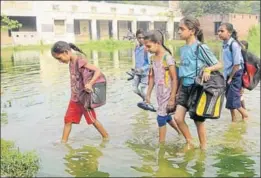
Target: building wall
5	38
47	13
241	22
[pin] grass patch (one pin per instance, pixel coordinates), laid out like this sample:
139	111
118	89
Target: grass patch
17	164
3	118
101	45
254	40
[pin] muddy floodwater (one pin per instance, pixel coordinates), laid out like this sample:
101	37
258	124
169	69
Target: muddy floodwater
35	91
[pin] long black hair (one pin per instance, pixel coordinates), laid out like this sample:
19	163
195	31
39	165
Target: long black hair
193	23
233	32
62	46
156	36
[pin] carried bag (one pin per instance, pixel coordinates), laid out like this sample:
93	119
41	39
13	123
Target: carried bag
251	74
206	99
96	98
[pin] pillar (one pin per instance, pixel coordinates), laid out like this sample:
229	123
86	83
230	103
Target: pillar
115	29
94	29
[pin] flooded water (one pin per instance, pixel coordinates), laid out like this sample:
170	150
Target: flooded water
35	92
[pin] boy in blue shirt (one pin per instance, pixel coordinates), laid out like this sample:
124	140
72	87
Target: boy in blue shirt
141	71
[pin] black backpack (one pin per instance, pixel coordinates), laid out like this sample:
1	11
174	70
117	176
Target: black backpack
251	75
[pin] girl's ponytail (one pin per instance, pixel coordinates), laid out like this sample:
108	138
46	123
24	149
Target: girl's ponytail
75	48
162	42
200	35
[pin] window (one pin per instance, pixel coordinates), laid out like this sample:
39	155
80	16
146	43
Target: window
256	17
94	9
74	8
242	16
234	16
59	27
131	11
217	25
113	9
143	11
56	7
250	16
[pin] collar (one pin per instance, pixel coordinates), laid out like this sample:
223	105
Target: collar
228	42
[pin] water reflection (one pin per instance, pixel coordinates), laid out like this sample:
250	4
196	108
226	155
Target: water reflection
34	82
232	159
83	162
162	160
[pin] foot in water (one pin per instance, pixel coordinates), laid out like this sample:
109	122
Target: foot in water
146	106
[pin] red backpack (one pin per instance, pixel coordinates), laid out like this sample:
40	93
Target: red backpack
251	74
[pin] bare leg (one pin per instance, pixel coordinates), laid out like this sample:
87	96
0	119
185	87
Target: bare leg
201	134
233	115
180	120
162	133
174	125
243	112
66	132
101	129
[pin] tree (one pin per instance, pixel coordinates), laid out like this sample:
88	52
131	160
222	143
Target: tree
9	24
200	8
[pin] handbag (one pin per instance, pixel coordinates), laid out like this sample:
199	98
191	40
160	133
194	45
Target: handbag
207	98
95	99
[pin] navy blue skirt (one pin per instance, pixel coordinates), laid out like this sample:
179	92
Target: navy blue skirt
233	91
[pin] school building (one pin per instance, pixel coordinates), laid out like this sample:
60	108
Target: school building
44	22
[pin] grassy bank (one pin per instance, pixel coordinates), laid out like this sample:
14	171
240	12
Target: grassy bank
254	40
102	45
17	164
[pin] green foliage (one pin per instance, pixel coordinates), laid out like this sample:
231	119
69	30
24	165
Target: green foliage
17	164
8	24
3	118
200	8
254	40
107	45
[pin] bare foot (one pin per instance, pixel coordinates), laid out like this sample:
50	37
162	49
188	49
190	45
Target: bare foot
203	147
188	147
245	118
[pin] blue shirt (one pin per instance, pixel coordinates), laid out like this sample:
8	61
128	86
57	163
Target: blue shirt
188	56
231	58
141	59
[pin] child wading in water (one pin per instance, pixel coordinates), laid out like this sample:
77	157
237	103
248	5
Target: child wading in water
62	52
189	30
233	70
140	81
163	75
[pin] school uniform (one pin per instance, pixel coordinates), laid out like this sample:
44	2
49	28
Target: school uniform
232	58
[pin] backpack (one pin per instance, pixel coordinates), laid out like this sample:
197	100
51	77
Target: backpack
96	98
166	67
251	74
206	99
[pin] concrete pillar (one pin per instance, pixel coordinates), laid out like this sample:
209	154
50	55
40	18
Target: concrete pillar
94	29
151	25
170	28
134	26
115	29
116	61
69	26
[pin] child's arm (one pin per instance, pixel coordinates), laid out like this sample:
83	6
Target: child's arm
151	85
96	75
174	77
